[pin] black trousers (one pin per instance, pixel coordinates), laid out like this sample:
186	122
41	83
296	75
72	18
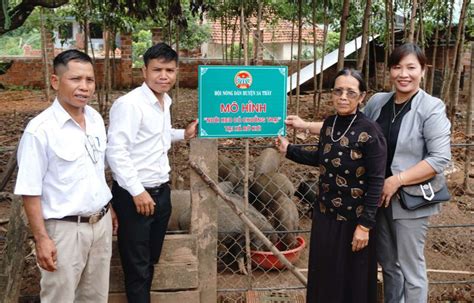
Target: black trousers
140	239
335	273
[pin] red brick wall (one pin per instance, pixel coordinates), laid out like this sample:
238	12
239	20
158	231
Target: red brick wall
137	77
125	76
24	72
99	72
28	72
188	69
126	61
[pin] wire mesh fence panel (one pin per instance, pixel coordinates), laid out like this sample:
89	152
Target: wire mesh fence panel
450	261
233	296
279	206
278	186
449	245
284	192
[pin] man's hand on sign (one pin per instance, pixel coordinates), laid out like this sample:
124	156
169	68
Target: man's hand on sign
191	130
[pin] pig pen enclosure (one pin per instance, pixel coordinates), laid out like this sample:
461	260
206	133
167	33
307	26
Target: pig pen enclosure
279	192
449	261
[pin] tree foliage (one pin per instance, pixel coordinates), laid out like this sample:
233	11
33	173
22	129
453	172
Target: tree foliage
141	42
133	15
14	14
12	42
194	33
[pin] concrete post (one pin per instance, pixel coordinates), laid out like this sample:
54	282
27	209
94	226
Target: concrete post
204	216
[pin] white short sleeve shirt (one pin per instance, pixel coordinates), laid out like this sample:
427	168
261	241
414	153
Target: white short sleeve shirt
64	164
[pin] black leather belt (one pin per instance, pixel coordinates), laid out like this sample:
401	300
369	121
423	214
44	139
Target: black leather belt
94	218
157	189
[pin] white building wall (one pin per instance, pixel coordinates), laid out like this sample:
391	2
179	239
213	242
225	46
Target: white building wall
98	44
287	50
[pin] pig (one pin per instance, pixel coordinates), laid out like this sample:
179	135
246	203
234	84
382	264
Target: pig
229	223
229	171
180	202
231	229
285	218
270	193
267	187
267	162
307	192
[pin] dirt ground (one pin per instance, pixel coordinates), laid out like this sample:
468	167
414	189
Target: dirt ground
447	249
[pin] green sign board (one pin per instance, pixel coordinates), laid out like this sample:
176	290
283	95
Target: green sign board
242	101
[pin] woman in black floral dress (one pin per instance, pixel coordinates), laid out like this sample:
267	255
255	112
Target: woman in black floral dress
351	157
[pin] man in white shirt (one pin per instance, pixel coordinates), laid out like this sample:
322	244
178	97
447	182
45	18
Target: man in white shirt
139	137
62	182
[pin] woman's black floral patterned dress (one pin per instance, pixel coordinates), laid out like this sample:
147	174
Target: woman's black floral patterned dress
351	160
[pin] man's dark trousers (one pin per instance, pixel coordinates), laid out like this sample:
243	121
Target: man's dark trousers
140	239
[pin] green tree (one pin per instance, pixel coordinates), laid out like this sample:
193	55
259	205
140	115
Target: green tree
194	33
12	42
141	42
14	13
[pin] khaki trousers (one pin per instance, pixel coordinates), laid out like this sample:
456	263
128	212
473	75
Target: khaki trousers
83	262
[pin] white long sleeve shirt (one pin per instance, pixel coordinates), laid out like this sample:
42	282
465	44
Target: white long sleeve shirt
63	164
139	137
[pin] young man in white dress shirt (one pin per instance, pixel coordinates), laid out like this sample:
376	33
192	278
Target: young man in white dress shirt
139	137
62	182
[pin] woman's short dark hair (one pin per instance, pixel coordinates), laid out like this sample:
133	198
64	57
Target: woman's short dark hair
70	55
346	71
160	51
404	50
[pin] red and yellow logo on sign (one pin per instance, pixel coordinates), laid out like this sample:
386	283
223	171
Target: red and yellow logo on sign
243	80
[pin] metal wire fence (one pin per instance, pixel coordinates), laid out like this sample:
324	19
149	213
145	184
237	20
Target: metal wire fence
450	263
280	195
448	248
245	267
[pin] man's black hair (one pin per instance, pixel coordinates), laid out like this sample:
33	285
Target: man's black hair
70	55
160	51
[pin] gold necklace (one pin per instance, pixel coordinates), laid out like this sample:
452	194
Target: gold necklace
345	132
394	116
